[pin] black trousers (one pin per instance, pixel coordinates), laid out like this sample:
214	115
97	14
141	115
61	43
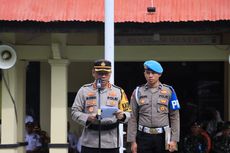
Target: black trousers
150	143
96	150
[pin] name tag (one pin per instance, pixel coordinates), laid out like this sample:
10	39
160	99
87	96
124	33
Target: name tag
91	97
113	98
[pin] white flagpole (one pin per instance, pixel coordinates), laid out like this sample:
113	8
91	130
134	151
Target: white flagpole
109	49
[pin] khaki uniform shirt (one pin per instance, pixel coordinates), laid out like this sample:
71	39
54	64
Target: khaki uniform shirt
86	102
152	109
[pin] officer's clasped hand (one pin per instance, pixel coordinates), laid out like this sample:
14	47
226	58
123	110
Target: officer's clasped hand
172	146
92	118
119	115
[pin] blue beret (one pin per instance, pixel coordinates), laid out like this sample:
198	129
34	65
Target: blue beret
153	66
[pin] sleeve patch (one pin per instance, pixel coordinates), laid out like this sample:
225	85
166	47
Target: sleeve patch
173	102
124	103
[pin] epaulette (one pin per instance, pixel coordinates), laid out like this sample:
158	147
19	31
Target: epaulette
117	87
137	93
87	85
142	85
168	86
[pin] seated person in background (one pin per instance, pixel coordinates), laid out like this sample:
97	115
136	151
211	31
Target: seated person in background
72	140
44	138
32	139
29	118
197	141
221	143
37	128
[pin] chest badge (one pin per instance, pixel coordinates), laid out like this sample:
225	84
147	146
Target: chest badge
90	94
163	91
163	101
112	103
162	108
91	102
112	94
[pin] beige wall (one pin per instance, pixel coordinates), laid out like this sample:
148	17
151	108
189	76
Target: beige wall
79	73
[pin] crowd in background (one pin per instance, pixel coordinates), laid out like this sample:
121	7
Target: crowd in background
37	139
203	131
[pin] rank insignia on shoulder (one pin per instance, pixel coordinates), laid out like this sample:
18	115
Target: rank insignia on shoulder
87	85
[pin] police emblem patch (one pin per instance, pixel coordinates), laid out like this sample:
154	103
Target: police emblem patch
162	108
112	103
163	101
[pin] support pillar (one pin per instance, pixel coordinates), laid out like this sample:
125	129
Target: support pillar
59	91
227	105
45	96
9	113
21	103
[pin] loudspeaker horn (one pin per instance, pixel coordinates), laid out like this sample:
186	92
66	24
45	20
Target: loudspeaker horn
8	56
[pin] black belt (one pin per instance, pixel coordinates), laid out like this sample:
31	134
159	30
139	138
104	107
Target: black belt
104	127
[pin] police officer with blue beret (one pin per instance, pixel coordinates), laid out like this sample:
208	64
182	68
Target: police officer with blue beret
154	125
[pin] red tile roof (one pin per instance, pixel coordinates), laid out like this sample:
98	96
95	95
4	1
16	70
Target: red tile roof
125	10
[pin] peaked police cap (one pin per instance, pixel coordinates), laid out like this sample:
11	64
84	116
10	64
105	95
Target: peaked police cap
102	65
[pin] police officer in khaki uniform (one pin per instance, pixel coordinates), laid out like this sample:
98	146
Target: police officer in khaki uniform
86	109
154	125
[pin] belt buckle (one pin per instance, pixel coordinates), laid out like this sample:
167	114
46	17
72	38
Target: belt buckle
153	131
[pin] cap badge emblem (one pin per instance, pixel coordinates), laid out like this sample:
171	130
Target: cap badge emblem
103	64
